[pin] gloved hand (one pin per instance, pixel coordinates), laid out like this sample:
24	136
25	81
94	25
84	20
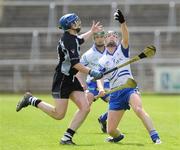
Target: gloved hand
119	16
96	74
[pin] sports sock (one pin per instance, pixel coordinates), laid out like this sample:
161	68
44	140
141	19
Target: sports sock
103	117
34	101
154	135
68	134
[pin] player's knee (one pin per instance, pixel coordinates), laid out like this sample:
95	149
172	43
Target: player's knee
59	116
85	109
139	111
90	98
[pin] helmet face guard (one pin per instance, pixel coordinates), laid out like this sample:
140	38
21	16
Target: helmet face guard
112	33
100	34
77	25
66	21
112	39
98	38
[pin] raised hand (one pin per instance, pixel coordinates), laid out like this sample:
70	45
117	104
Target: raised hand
119	16
96	27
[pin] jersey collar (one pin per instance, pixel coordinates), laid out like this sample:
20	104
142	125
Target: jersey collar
108	53
95	49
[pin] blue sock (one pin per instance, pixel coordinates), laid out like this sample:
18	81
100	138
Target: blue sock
154	135
103	117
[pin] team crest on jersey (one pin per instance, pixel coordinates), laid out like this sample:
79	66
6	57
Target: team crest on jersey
73	51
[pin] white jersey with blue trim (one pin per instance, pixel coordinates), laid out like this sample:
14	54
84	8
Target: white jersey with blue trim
109	61
91	58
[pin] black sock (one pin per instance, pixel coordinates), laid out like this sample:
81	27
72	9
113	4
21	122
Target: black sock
68	135
37	102
34	101
70	131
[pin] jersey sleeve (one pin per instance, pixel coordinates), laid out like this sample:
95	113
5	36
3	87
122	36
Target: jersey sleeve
72	49
84	60
80	40
125	51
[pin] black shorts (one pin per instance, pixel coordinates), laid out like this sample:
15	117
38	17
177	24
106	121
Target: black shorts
64	85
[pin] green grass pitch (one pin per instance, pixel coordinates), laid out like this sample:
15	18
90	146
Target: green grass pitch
30	129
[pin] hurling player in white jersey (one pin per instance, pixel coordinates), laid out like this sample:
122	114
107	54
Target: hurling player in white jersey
117	53
90	59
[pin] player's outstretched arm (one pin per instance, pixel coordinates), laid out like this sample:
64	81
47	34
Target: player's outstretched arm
96	27
82	68
124	29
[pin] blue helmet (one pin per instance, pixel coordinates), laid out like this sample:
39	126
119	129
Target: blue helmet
66	21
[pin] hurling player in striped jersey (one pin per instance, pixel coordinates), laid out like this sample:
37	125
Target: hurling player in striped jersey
65	85
90	59
120	101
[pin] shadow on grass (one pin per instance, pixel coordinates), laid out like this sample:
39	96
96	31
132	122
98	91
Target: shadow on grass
86	145
124	144
100	133
77	145
136	144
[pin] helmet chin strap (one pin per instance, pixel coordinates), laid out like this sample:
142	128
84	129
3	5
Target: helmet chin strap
77	30
76	27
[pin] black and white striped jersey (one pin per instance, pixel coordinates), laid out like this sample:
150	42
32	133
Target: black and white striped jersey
68	53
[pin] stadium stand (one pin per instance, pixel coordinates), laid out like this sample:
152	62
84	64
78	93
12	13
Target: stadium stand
139	15
158	24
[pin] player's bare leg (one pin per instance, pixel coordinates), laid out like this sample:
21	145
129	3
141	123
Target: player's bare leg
136	104
114	118
81	101
90	97
57	112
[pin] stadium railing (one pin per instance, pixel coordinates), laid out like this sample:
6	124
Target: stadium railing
23	74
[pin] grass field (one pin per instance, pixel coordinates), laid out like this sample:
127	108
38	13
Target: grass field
30	129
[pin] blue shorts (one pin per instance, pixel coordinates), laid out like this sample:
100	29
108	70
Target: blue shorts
92	88
119	100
